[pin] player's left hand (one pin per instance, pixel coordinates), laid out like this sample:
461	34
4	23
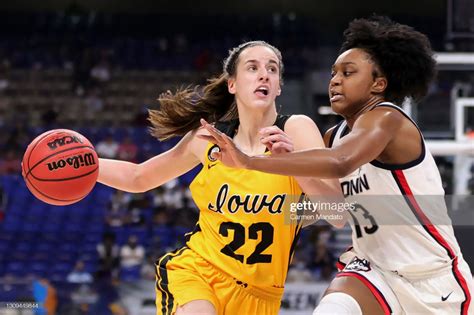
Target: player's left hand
276	140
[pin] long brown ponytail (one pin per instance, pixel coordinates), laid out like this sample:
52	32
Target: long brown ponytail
181	111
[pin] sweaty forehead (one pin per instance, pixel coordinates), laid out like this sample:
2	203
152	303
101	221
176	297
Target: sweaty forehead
354	56
258	53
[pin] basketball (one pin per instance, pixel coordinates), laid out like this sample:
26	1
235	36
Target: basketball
60	167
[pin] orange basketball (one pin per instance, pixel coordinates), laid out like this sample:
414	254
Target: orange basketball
60	167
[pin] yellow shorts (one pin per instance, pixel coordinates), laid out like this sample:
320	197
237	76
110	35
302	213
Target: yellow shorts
184	276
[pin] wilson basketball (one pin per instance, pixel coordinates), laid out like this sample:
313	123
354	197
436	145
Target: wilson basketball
60	167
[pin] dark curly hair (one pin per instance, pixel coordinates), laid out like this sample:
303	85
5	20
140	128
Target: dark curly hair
403	55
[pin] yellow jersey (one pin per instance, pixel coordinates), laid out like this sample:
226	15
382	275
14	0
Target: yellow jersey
244	227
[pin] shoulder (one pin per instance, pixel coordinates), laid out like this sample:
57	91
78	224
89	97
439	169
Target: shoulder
297	124
380	117
303	132
299	121
386	111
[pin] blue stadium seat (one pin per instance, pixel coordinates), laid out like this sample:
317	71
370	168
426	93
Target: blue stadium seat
16	268
97	213
4	246
66	257
51	227
37	211
120	234
44	247
78	209
147	214
129	274
28	236
77	219
68	248
39	268
140	232
95	228
57	211
72	227
11	183
20	199
75	238
5	235
43	257
63	267
60	271
165	233
102	194
31	227
13	292
16	210
23	246
90	247
89	257
90	266
18	256
180	231
94	238
12	218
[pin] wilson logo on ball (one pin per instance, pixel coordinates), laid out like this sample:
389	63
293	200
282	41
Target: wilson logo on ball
74	161
53	145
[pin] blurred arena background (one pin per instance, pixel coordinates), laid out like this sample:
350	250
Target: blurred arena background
96	66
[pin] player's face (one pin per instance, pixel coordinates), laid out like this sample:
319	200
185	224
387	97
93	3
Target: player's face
353	84
257	79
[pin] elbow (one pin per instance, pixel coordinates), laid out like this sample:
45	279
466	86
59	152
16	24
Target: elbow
342	166
138	182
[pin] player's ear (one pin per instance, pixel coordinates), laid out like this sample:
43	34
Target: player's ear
379	85
231	85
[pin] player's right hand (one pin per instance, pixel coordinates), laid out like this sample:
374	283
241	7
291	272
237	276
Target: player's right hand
229	154
276	140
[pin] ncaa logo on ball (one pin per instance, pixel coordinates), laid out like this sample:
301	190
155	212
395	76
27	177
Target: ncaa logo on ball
53	145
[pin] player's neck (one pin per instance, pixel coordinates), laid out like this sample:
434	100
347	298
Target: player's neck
247	136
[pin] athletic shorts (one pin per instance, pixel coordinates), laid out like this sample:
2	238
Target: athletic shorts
440	293
184	276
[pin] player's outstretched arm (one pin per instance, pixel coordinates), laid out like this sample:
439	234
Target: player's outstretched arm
367	140
154	172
